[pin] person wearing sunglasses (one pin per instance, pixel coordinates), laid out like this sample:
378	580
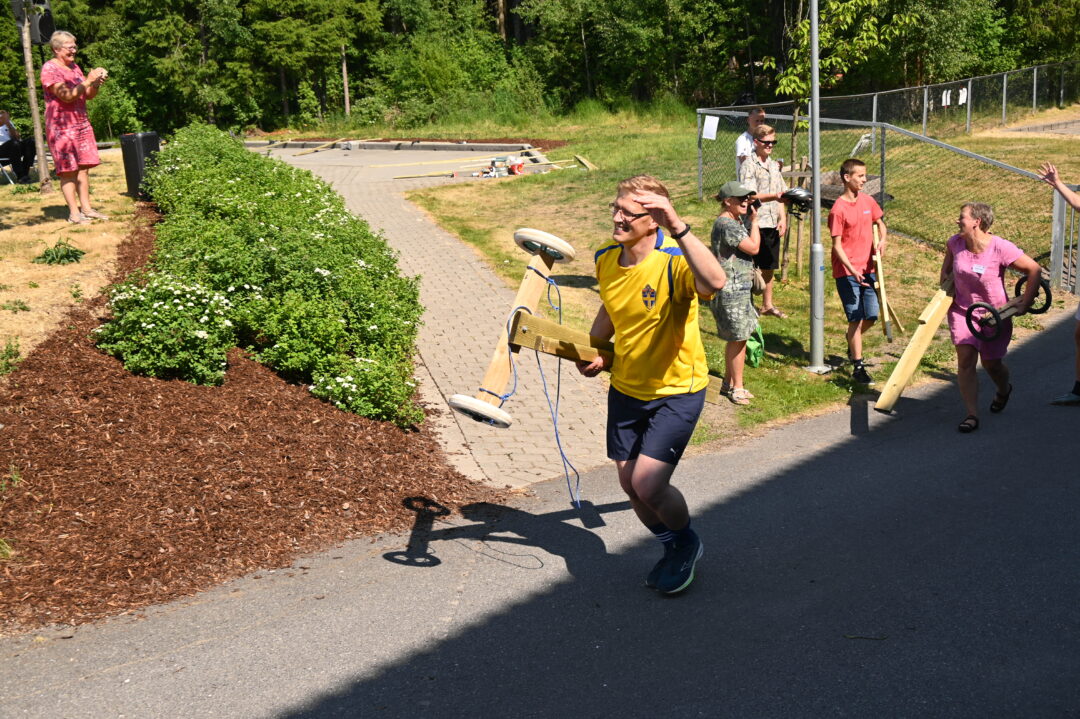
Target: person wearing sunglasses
652	277
761	175
67	126
744	143
732	308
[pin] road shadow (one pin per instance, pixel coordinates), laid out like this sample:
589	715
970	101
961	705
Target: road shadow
903	571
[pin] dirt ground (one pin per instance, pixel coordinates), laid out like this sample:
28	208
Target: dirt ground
30	222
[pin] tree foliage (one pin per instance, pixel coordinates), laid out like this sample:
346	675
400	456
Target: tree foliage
267	63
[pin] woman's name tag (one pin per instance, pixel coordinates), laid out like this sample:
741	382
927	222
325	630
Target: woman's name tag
978	269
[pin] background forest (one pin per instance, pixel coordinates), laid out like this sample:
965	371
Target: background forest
242	64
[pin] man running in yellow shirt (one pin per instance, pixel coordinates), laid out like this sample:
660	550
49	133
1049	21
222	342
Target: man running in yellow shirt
651	282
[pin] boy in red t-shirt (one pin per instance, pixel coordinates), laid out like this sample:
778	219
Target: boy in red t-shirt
851	225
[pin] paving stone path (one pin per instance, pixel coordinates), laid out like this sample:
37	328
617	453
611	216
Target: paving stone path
465	307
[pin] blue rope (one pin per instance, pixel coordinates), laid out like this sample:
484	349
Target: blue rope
575	490
510	355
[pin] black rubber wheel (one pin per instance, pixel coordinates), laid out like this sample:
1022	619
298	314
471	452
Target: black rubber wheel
983	320
1043	298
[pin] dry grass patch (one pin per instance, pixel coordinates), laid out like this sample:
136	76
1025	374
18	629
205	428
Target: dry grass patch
31	222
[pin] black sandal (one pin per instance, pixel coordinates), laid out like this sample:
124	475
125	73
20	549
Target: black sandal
969	425
1000	400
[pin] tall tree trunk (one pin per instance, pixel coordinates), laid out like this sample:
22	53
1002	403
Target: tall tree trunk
321	85
284	94
345	80
204	56
588	74
45	182
500	7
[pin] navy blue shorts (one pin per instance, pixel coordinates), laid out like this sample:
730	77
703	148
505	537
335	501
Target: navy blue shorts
657	428
860	303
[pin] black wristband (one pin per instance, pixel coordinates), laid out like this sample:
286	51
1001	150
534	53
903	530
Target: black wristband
679	235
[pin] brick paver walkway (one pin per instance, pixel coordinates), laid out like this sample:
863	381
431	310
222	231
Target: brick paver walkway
465	307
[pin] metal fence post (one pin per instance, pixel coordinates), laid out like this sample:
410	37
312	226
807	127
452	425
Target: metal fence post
817	252
1057	241
881	196
925	106
873	119
969	106
700	185
1004	97
1035	89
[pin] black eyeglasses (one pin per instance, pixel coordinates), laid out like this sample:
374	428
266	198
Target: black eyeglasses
615	211
767	143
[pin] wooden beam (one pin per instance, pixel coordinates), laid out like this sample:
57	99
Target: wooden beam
427	162
551	338
533	286
320	147
429	174
929	321
585	163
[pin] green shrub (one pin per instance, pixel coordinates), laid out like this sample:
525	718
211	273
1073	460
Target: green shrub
62	253
167	328
311	290
9	356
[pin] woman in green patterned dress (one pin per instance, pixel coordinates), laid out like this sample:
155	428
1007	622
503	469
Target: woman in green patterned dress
732	307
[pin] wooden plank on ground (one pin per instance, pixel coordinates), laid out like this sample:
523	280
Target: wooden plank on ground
585	163
320	147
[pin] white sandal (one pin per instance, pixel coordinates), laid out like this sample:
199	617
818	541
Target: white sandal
740	396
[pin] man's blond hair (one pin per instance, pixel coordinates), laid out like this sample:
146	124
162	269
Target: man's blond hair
643	183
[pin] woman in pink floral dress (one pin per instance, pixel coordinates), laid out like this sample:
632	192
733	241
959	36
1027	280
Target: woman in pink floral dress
67	128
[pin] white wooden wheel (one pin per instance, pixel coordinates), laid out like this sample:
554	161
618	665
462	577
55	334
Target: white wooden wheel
480	410
537	241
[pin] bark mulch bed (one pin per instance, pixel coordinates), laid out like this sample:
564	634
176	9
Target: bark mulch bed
133	491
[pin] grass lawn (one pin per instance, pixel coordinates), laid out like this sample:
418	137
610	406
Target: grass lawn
31	222
573	205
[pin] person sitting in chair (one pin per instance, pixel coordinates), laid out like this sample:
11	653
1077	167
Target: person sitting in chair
20	152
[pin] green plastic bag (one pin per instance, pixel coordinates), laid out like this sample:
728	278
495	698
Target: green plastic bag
755	347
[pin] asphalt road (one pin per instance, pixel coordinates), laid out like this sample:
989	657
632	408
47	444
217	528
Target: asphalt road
855	565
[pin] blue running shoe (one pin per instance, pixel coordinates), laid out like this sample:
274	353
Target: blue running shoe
678	571
654	575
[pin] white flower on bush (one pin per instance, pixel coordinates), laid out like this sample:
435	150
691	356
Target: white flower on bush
320	271
201	334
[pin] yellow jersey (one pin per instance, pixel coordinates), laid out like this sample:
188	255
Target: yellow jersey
654	309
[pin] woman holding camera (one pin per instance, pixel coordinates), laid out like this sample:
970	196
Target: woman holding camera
67	127
732	307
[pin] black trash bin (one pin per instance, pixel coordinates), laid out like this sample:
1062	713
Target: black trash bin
138	148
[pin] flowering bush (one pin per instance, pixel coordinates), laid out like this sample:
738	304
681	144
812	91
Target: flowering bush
165	327
313	292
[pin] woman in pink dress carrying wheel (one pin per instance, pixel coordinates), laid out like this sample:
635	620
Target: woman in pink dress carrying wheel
67	128
977	261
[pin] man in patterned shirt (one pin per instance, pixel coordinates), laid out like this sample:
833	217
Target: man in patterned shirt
650	285
761	174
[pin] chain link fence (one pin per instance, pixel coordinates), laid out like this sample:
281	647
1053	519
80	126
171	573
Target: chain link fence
949	108
1065	251
920	182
